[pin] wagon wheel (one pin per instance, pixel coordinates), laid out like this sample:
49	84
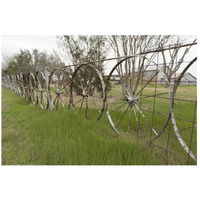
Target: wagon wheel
17	82
7	81
185	129
87	91
25	86
42	90
4	81
130	104
59	81
21	85
33	88
11	83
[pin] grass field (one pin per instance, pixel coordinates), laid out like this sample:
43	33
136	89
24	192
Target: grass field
184	110
31	136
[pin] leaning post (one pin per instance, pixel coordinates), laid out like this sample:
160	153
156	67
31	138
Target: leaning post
47	88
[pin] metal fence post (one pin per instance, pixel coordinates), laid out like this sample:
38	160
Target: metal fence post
47	88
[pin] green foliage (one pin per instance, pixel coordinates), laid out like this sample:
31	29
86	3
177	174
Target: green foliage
31	61
86	49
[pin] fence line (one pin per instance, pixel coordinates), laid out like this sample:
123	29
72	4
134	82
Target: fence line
132	107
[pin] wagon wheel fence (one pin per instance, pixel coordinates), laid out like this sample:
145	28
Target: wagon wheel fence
140	101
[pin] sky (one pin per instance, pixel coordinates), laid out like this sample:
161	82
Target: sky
12	44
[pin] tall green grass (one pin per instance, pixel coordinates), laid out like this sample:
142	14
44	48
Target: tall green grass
168	140
31	136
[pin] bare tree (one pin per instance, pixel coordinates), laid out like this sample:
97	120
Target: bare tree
125	45
173	58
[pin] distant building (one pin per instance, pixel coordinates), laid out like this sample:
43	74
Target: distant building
148	74
115	78
187	79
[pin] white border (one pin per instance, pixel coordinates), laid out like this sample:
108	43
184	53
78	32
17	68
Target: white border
99	17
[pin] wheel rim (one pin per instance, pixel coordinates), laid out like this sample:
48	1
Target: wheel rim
130	107
33	89
42	91
59	81
87	91
185	129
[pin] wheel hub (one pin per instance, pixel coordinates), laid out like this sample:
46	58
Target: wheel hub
59	92
83	94
132	100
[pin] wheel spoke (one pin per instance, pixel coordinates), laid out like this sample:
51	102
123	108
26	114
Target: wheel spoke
64	86
61	102
154	110
118	107
95	104
57	103
80	81
146	120
135	115
55	99
44	99
77	85
147	83
155	95
129	120
123	116
78	101
81	105
188	127
88	108
116	87
63	82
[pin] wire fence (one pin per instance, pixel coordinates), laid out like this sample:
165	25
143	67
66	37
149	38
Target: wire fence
142	103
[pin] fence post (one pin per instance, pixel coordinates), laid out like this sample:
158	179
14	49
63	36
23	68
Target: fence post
47	88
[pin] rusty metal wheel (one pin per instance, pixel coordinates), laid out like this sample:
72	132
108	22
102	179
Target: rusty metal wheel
12	83
185	129
42	90
87	91
33	88
21	85
59	82
17	82
25	86
4	81
130	103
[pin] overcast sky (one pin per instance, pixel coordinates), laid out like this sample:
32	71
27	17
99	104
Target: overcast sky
11	44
